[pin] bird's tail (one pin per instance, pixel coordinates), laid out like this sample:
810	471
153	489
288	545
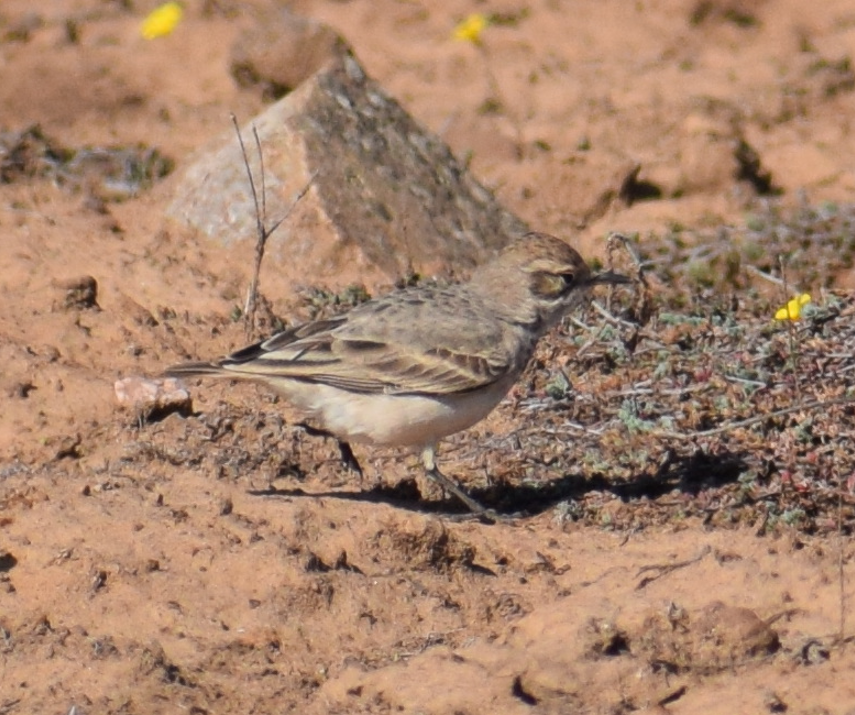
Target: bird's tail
194	369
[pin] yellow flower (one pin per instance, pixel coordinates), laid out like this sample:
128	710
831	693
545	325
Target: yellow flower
470	29
162	20
793	309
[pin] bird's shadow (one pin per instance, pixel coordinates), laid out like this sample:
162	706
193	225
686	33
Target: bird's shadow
688	474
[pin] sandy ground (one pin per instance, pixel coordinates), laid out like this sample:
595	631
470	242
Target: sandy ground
150	568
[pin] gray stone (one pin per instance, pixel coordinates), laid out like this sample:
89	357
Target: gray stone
149	396
386	197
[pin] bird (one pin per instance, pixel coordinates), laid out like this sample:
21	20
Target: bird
412	367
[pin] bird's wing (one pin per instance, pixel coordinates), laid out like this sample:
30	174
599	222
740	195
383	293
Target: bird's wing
425	341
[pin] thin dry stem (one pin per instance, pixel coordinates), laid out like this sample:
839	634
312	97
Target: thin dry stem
263	232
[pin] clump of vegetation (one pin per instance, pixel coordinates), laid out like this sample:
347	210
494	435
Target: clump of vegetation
727	393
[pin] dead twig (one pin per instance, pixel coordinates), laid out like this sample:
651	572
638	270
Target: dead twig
263	232
665	569
765	276
791	331
643	306
812	405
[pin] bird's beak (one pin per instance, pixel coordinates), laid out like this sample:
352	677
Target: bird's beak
609	278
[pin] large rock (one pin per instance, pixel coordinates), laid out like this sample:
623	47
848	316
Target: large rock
386	196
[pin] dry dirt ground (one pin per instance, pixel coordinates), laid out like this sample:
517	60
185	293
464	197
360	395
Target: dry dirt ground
224	562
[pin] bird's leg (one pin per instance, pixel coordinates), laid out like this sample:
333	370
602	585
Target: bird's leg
348	458
433	473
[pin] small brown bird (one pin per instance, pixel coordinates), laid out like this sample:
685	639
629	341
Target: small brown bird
412	367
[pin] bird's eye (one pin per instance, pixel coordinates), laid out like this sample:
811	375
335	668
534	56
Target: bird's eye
552	286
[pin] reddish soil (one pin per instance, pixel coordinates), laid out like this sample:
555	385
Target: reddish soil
225	562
